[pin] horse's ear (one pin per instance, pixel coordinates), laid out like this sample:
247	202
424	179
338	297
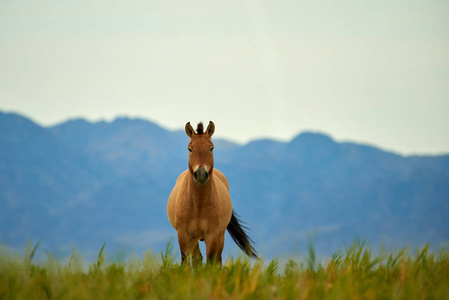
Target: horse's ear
210	128
189	130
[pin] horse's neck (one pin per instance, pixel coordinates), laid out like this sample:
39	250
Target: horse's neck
202	195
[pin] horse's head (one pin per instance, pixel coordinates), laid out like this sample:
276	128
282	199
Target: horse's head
201	156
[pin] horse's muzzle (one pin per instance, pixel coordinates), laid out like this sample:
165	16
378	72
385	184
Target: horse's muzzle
201	177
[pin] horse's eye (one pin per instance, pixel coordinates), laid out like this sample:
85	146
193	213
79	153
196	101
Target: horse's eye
211	149
190	149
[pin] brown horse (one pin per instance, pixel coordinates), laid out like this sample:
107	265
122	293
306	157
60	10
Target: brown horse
199	206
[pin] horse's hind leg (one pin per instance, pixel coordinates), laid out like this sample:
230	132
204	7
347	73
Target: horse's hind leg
214	247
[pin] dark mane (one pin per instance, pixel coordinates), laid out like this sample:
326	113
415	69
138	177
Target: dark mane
200	128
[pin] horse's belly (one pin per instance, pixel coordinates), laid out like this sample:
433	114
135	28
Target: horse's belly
225	212
171	208
173	198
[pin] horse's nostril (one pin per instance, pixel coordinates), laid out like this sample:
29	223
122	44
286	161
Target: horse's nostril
199	171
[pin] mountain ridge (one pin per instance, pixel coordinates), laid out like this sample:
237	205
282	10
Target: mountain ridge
81	183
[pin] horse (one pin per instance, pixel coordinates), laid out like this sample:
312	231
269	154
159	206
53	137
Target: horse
199	206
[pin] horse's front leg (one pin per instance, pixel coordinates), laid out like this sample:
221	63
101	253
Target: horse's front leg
214	247
190	249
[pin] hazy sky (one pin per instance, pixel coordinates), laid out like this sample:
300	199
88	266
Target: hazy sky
369	71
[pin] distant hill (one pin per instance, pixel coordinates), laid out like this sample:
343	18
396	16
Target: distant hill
81	184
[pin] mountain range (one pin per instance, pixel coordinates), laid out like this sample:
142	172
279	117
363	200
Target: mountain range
81	184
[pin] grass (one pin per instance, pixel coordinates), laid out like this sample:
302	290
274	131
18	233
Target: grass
352	273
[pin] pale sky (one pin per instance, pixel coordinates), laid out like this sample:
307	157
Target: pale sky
373	72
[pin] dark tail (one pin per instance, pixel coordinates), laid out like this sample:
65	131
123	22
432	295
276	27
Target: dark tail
238	234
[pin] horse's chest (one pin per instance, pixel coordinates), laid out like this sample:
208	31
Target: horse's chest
199	219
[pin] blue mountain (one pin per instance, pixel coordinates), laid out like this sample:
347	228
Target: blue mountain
80	184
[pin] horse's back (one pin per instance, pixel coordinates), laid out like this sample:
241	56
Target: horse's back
222	178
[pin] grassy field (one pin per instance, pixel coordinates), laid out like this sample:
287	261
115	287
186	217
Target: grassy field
352	273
